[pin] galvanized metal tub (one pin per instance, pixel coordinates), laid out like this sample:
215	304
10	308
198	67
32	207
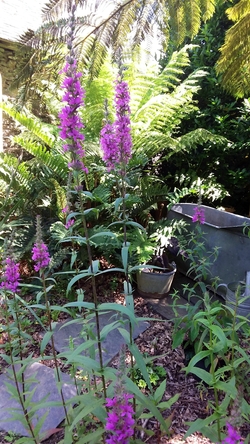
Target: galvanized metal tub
224	230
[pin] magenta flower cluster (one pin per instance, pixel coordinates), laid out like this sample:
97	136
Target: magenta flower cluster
116	140
232	436
71	124
199	215
120	420
11	275
40	255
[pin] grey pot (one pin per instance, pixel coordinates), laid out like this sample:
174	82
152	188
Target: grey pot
153	284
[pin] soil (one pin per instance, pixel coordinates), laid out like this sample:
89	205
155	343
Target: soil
194	398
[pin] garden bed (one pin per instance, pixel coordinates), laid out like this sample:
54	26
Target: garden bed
156	341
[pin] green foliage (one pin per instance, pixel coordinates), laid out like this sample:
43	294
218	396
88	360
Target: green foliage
156	375
97	33
221	166
213	335
234	59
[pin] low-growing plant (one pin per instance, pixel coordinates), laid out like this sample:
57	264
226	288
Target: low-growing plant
156	374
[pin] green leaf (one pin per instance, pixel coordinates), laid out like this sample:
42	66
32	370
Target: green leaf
88	194
77	278
160	391
92	438
168	404
73	258
130	222
118	308
140	361
178	338
146	402
87	305
108	328
118	202
125	250
198	357
217	331
78	239
199	424
94	268
202	374
129	299
125	334
228	387
46	340
92	404
103	234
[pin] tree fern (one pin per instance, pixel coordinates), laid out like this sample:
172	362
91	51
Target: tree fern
234	61
106	24
55	162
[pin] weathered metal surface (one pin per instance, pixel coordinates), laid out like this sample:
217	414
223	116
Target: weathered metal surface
225	231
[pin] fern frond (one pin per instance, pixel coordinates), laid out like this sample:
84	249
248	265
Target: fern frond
55	162
236	12
234	60
34	125
61	198
207	8
199	137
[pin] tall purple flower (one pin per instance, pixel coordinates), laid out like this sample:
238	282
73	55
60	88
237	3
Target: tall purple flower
40	253
71	123
116	140
232	436
11	275
199	215
120	420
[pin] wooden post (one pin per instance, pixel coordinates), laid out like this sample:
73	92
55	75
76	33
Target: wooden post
1	117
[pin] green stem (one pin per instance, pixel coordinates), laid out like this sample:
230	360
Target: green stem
94	291
212	370
21	396
20	344
47	304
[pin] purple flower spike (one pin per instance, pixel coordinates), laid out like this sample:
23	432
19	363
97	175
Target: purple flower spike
199	215
40	255
71	123
116	140
69	224
120	420
11	275
232	436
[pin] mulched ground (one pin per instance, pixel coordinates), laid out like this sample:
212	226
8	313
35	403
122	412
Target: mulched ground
194	400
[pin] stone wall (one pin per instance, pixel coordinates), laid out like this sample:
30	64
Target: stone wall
7	69
7	65
10	129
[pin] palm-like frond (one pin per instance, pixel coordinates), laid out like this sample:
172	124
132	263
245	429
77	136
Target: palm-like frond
199	137
160	102
106	24
234	61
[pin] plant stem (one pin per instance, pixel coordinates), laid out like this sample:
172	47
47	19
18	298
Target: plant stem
216	398
47	304
94	291
21	396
